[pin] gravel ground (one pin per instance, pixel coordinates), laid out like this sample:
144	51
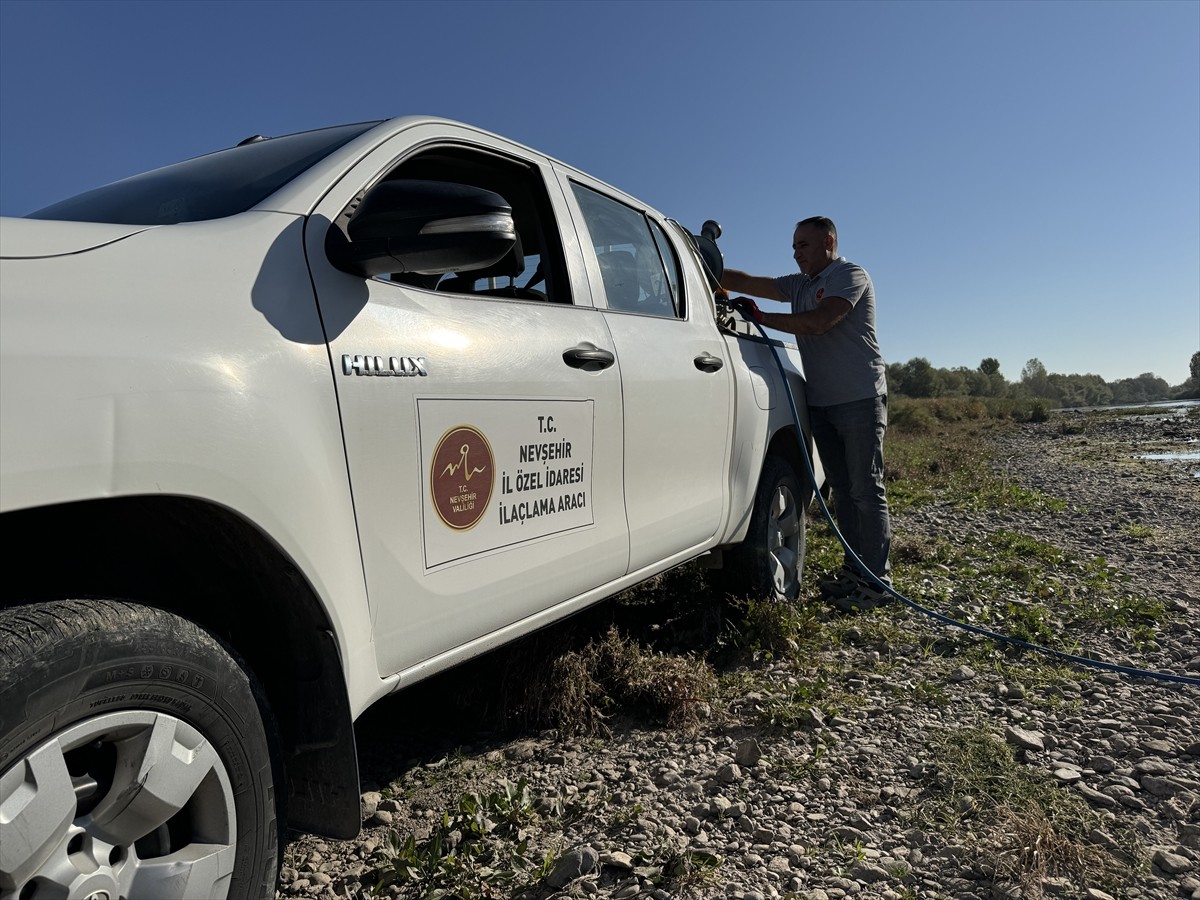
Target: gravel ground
854	803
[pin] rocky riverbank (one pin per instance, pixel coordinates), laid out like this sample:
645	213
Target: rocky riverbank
899	758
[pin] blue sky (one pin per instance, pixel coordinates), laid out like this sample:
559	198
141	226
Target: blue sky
1021	179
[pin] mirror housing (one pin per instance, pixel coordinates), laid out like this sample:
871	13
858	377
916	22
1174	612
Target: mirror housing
706	243
422	227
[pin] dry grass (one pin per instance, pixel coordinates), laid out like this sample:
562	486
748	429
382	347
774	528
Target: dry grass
1028	828
585	687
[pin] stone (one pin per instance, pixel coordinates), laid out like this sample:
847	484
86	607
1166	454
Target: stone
811	717
1024	740
571	865
868	873
748	753
616	859
1152	765
730	773
1159	787
1171	863
1097	798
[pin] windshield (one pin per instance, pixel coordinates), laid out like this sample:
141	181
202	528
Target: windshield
208	187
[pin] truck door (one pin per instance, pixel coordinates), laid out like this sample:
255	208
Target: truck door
674	372
481	412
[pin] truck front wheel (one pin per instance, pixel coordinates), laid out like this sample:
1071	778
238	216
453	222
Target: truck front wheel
768	563
134	759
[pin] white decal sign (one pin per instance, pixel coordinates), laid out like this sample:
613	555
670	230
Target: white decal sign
502	472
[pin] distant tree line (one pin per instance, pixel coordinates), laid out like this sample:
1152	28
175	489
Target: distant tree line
918	378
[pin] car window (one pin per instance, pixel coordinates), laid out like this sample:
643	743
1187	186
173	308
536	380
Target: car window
536	268
639	267
213	186
671	264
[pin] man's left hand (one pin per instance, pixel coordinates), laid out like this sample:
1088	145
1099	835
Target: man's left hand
748	308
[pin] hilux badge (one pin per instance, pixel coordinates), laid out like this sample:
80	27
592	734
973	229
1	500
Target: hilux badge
383	365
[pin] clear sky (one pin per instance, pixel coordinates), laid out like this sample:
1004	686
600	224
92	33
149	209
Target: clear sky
1021	179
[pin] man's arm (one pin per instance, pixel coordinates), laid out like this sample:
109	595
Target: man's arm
754	285
828	312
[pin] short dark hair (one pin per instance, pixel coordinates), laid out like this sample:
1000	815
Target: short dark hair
821	223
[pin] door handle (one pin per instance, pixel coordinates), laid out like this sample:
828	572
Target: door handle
588	357
706	362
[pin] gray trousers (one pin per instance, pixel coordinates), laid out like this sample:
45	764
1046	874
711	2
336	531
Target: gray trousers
849	437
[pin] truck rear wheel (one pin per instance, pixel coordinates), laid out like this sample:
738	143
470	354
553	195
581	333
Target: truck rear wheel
768	563
134	759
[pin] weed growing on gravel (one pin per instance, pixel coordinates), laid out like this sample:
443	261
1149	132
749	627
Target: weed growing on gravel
769	629
670	866
1023	587
585	686
921	691
479	847
1139	532
1027	827
795	706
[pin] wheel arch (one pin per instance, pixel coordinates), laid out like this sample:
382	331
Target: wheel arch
209	565
786	444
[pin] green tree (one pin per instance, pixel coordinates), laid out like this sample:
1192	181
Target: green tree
1190	389
1145	388
991	366
920	379
1036	379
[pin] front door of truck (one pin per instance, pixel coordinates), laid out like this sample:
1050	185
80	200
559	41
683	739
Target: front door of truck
481	412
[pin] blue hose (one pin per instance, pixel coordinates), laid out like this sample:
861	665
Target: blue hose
944	619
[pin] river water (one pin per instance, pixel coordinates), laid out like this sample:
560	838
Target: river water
1188	448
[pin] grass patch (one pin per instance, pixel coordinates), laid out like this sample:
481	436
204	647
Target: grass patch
584	687
937	449
796	705
1139	532
1026	827
478	850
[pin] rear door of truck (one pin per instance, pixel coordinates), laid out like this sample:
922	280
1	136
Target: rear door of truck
675	372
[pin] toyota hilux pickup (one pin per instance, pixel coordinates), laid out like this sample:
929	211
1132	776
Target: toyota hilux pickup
290	426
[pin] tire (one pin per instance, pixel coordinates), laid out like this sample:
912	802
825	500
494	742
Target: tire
768	564
134	759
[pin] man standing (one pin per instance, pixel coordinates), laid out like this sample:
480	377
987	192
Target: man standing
833	319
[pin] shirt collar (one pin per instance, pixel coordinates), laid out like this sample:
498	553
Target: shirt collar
833	264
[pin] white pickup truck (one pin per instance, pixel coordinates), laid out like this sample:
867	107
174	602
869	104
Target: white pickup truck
289	426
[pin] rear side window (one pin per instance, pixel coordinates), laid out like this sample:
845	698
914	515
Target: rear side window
638	265
213	186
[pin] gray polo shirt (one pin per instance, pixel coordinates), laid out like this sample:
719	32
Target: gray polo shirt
843	364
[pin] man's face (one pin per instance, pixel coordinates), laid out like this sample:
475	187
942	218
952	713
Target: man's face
812	249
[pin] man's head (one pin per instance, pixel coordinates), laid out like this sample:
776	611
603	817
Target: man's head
814	244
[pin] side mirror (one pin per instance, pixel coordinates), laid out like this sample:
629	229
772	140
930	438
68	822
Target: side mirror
423	227
706	243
